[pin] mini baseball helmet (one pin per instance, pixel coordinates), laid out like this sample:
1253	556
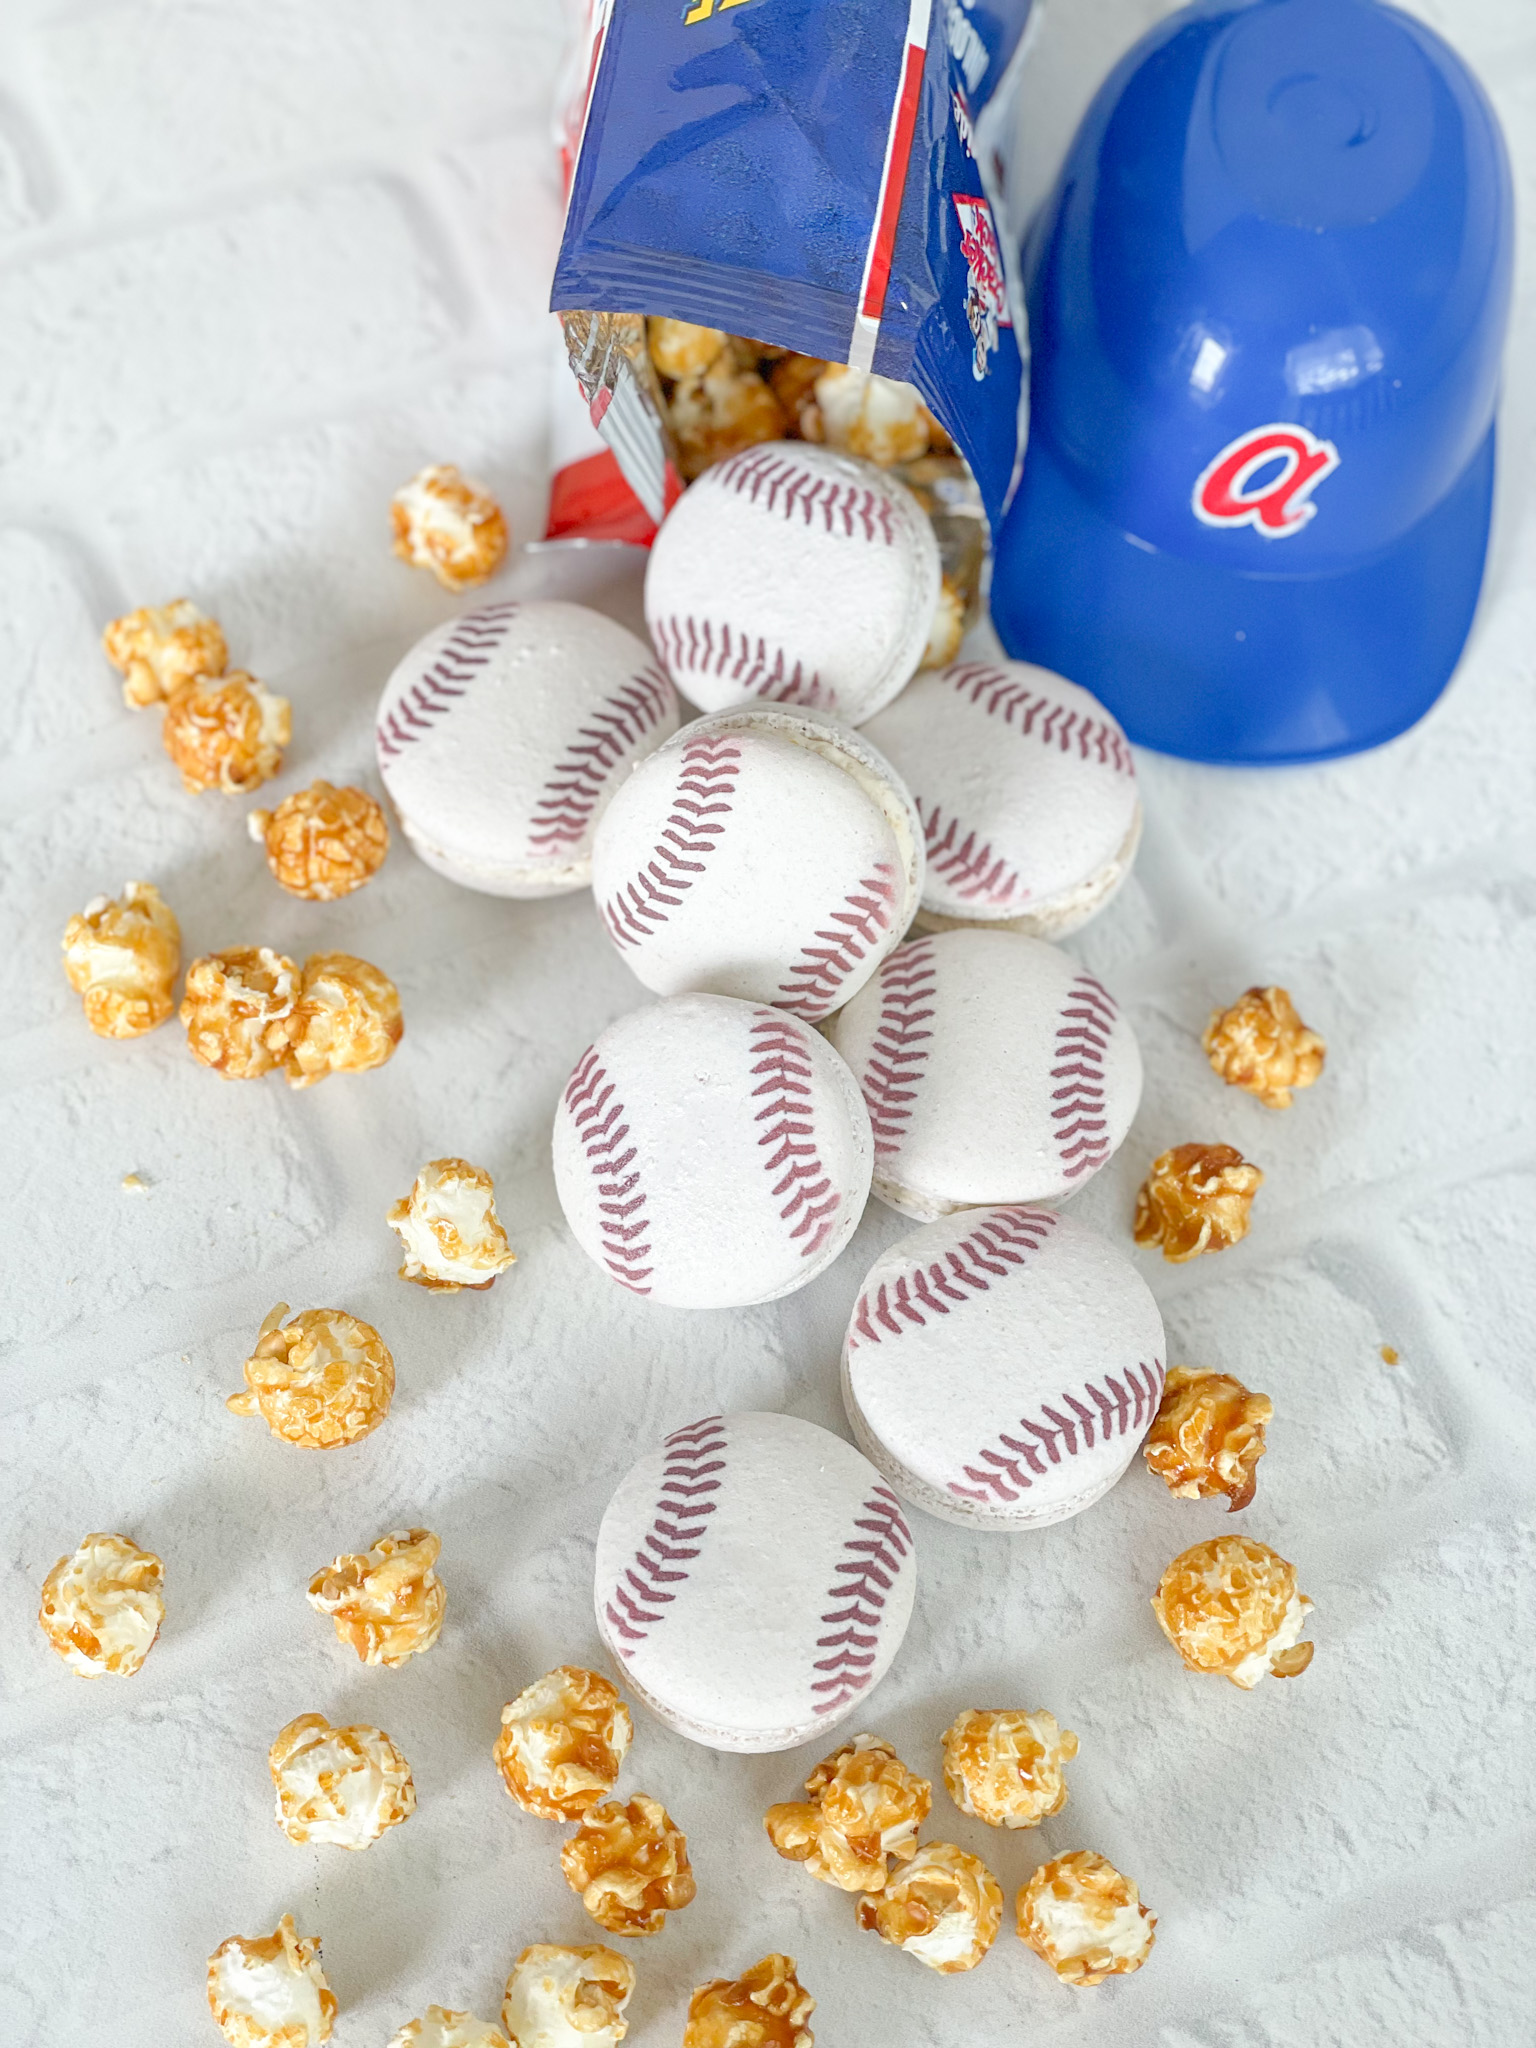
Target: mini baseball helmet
1267	301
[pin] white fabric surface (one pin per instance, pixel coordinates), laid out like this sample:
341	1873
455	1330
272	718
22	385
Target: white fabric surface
258	262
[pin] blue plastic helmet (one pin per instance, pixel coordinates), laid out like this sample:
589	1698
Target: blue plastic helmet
1267	300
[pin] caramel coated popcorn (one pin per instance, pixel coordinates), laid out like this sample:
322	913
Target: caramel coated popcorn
227	732
1196	1199
102	1607
323	1380
884	421
793	383
1208	1436
322	843
122	959
562	1743
1005	1767
1083	1918
448	1228
450	525
1231	1607
864	1806
344	1786
679	349
765	2007
567	1997
269	1991
439	2027
720	411
347	1019
160	647
239	1008
1262	1045
944	1908
385	1603
629	1866
948	628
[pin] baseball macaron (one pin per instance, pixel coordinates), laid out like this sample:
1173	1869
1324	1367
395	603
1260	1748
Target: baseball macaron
763	854
995	1068
710	1153
793	575
1027	793
754	1579
502	735
1002	1366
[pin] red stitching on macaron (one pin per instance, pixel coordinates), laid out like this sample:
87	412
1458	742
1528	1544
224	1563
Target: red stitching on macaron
706	784
995	692
811	988
573	790
994	1250
859	1588
1111	1407
469	647
695	1457
783	1071
598	1114
895	1061
1079	1113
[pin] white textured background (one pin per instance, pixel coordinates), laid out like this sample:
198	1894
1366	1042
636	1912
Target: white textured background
259	260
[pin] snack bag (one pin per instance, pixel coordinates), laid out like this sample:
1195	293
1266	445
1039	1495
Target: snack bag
823	179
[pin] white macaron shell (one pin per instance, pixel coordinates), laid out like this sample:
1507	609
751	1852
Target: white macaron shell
1027	792
502	736
759	854
1002	1366
711	1153
754	1578
791	574
996	1069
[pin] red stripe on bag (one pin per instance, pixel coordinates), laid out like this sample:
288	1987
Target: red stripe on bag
893	179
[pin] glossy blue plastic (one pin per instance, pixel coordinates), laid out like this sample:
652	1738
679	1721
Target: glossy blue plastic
1267	302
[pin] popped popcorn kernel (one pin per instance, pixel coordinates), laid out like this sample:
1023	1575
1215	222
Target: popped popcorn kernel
1262	1045
878	418
1231	1606
1197	1198
322	842
269	1991
343	1786
680	349
449	1230
567	1997
347	1019
159	647
239	1008
122	958
944	1908
438	2027
765	2007
226	732
1083	1918
1207	1436
385	1603
1004	1766
102	1606
792	381
323	1380
720	411
445	522
948	628
563	1741
864	1806
629	1866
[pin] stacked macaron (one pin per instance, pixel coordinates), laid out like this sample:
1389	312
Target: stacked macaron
762	870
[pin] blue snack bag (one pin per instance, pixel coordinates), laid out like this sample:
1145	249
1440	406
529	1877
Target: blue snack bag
822	179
